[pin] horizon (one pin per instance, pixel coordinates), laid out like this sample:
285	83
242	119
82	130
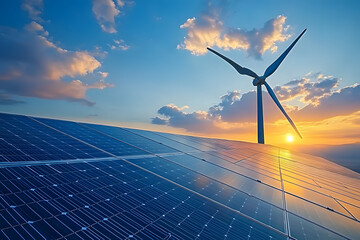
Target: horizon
90	73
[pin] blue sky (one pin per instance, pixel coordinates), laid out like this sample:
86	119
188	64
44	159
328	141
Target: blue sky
129	68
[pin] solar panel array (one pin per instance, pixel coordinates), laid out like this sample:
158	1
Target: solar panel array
61	179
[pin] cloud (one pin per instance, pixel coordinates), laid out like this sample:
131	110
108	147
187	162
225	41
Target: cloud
175	116
33	66
311	88
37	28
233	108
33	7
119	44
105	12
323	101
208	31
339	103
159	121
7	100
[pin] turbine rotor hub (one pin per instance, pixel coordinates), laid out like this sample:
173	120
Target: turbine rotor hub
259	81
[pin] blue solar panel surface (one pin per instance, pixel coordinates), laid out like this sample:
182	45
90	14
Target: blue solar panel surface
61	179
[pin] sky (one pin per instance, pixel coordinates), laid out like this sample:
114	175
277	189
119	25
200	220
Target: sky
144	64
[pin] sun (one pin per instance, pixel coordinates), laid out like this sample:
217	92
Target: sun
289	138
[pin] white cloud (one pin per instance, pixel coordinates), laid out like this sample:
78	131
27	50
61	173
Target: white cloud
119	44
106	11
33	7
208	31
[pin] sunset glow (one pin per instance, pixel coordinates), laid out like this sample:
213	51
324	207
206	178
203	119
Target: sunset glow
165	79
289	138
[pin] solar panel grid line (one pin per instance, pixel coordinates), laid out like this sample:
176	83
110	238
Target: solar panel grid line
286	216
164	214
270	169
129	220
190	146
320	226
216	180
259	170
230	170
320	205
238	166
213	195
245	166
320	174
17	150
151	153
223	205
319	163
354	210
171	137
345	209
308	165
319	181
74	138
173	161
124	129
317	184
230	167
175	140
35	135
330	193
162	135
288	159
35	146
39	163
338	193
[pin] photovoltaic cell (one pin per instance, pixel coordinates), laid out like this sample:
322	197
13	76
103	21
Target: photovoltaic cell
133	139
94	138
22	139
166	141
112	199
60	179
222	192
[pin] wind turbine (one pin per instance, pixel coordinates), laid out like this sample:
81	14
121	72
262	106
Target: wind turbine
259	81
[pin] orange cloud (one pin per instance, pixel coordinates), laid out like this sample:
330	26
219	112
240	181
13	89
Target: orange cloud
329	112
34	66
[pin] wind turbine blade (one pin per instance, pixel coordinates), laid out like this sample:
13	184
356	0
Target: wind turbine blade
273	96
240	69
272	68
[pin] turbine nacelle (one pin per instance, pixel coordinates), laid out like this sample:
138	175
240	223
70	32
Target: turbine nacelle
259	81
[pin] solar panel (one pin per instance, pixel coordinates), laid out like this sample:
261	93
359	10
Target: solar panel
112	199
94	138
133	139
62	179
22	139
